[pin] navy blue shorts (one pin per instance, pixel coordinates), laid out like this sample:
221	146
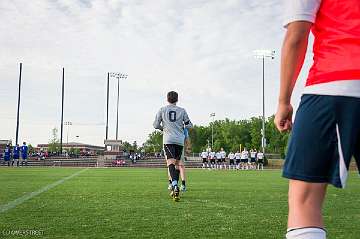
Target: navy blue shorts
325	136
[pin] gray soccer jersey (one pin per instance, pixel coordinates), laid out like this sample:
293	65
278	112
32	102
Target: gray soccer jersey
172	119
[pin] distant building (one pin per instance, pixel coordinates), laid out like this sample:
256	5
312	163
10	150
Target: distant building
83	148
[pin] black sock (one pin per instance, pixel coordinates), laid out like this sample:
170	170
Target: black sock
169	181
177	174
183	183
172	172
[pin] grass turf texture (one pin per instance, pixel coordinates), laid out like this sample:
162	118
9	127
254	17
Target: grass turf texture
134	203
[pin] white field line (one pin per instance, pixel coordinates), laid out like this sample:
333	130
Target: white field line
20	200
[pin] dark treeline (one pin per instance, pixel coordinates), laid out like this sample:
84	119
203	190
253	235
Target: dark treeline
229	134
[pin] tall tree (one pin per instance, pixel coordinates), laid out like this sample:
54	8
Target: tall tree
229	134
154	142
54	142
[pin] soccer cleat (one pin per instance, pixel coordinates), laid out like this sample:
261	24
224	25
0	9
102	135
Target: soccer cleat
176	194
183	188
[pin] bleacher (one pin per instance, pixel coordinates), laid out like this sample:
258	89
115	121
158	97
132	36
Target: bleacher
151	162
63	162
160	163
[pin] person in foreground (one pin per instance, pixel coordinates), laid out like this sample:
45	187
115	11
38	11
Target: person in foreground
326	130
172	120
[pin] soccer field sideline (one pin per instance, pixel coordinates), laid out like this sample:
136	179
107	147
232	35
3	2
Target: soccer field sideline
138	199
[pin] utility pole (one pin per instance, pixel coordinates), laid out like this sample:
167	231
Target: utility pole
107	107
62	110
18	108
118	76
262	54
212	115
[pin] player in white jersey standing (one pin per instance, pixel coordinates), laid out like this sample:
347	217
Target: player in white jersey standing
204	156
260	160
172	120
218	160
223	158
238	160
245	159
231	157
253	153
212	159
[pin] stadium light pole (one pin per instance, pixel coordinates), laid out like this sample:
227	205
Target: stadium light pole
62	110
18	107
262	54
107	107
212	115
67	123
118	76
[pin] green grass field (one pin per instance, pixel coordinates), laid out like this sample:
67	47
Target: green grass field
134	203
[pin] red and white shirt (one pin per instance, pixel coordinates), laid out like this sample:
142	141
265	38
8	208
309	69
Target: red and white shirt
336	30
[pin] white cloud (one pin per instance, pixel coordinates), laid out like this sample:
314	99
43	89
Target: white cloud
203	49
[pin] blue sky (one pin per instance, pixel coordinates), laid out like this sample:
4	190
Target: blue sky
202	49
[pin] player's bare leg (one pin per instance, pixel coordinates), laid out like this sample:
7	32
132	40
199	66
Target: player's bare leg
170	181
181	167
305	207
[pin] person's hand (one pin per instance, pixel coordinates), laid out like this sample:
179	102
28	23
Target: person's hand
283	117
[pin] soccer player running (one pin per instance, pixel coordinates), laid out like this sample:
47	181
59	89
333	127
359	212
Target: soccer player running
182	162
181	165
326	131
172	120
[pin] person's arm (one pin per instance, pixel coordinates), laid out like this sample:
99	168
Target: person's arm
292	59
158	121
187	121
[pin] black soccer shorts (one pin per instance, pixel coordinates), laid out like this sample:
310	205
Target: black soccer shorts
173	151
